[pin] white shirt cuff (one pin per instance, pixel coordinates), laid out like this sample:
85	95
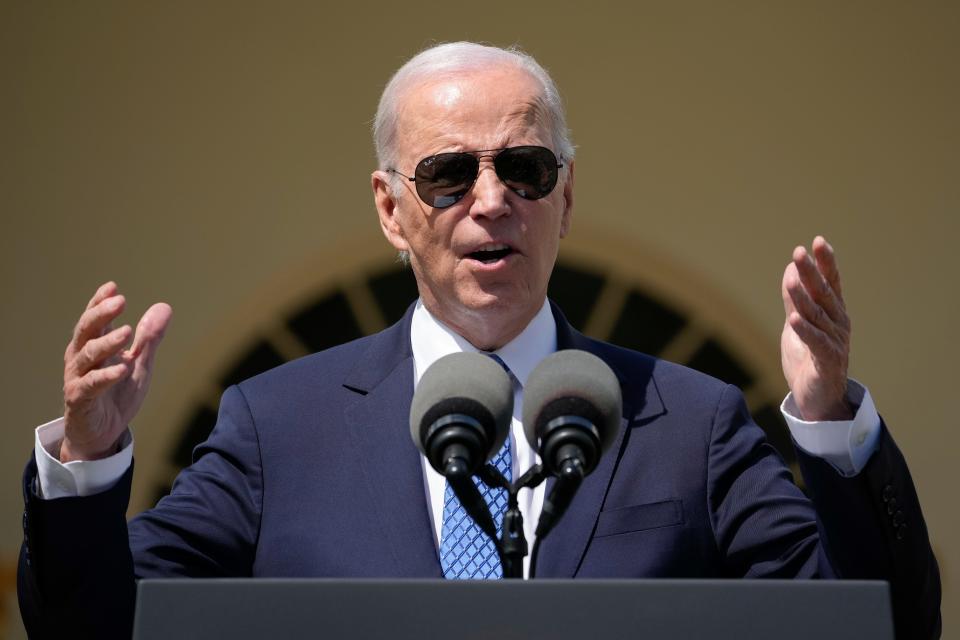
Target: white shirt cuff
80	477
845	444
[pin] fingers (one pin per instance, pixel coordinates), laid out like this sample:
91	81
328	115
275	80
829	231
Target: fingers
95	342
830	353
95	321
809	333
810	311
804	305
812	305
827	264
790	276
98	350
817	286
106	290
81	391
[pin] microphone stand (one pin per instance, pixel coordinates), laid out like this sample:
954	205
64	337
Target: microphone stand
512	545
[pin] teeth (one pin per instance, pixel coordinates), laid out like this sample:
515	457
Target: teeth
493	247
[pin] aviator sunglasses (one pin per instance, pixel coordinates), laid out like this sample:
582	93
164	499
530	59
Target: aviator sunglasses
444	179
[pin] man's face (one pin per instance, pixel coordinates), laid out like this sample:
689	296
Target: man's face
487	301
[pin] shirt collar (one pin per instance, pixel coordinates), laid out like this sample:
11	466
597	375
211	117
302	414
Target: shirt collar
430	340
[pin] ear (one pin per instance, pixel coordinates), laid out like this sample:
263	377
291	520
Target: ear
567	202
387	206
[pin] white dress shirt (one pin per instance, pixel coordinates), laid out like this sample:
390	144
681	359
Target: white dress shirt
847	445
431	340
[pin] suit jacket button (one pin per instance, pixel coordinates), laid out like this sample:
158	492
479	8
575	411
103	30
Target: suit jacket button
887	493
891	506
901	531
898	518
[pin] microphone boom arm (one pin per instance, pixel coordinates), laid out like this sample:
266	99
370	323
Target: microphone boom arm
512	545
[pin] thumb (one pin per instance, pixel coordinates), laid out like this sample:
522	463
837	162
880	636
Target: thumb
150	331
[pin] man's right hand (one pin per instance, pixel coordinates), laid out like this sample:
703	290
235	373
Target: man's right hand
104	384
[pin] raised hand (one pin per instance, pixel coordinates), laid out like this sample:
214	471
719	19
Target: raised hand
815	344
104	384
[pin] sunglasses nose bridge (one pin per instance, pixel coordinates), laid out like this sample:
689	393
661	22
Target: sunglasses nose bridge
495	164
489	191
486	167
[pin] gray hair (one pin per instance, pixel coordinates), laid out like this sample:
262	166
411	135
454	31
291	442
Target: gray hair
450	58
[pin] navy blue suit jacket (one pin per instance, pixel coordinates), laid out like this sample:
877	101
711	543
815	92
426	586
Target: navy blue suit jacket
310	471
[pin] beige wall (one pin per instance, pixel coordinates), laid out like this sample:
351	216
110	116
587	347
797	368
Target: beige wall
218	158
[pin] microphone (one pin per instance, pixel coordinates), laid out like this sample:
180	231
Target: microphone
459	419
571	414
460	413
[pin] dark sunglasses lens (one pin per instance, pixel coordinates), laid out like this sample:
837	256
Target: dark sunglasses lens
531	172
442	180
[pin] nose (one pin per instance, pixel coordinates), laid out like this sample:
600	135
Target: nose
489	193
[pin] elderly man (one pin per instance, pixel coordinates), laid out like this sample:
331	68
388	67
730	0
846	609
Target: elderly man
310	470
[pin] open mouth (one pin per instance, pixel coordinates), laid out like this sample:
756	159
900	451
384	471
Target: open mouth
491	253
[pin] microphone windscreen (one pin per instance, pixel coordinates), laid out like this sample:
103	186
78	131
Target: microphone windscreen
576	380
464	383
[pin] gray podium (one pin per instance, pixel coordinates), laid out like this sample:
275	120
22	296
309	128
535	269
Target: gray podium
492	610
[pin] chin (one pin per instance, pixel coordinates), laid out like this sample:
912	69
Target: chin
502	312
496	299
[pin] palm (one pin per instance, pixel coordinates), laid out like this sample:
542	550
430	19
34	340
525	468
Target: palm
815	343
806	381
105	385
116	408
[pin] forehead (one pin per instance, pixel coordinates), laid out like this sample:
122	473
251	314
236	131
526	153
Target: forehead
482	109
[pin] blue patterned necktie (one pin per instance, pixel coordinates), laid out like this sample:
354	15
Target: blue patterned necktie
465	550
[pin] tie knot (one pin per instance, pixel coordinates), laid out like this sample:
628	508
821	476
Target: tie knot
514	380
500	362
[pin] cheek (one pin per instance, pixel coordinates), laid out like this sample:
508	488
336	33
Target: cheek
418	234
550	230
434	255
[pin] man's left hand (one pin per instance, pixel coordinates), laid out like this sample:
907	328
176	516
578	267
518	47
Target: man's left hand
815	344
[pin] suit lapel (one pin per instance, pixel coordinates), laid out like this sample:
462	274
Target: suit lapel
562	552
378	423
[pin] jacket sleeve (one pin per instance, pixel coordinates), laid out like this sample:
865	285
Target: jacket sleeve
209	523
866	527
871	527
75	577
80	558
